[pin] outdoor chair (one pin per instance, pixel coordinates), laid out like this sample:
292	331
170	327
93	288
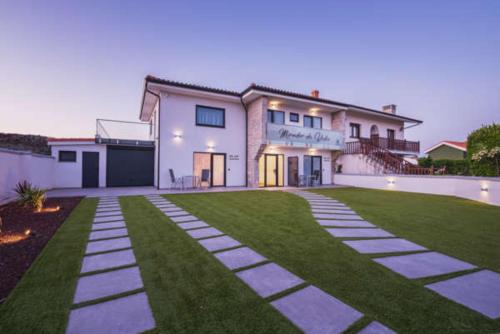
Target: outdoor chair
316	178
205	177
175	183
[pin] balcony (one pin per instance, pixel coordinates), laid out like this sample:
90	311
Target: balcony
127	133
393	145
297	136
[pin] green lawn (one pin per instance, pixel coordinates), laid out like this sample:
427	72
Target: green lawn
279	226
191	292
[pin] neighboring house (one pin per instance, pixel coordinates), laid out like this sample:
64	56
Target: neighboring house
450	150
260	137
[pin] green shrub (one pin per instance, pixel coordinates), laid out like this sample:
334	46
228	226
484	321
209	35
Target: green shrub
483	150
29	195
453	167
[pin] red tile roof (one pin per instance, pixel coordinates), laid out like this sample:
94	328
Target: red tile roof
462	144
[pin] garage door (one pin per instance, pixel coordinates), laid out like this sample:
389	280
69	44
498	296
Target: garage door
129	166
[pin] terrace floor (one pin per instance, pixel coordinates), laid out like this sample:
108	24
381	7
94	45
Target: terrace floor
204	263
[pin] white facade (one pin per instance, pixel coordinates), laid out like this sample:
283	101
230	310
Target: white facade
69	174
180	137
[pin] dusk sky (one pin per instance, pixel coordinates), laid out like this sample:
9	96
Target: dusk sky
65	63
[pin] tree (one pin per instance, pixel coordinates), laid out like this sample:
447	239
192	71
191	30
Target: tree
483	150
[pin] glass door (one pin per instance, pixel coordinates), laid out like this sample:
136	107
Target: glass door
313	169
271	170
218	170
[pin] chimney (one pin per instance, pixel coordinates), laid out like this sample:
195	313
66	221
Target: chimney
315	93
390	109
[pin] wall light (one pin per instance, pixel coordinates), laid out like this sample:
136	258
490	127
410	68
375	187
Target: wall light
484	188
391	181
210	146
177	135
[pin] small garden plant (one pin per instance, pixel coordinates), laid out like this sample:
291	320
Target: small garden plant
30	196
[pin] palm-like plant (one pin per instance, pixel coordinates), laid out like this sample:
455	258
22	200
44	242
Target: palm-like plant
29	195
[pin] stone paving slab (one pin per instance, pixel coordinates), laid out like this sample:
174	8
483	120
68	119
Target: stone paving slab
107	284
314	311
176	213
107	245
160	201
376	327
126	315
108	207
183	219
359	233
479	291
103	213
336	216
331	207
219	243
269	279
334	211
115	221
119	232
320	202
383	246
239	257
165	206
191	225
204	233
104	226
107	260
344	223
423	264
172	209
109	203
108	219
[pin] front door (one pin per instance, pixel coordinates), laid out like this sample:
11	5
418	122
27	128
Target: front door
218	167
390	139
90	170
293	171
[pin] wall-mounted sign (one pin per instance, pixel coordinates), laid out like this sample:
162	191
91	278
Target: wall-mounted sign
234	157
304	137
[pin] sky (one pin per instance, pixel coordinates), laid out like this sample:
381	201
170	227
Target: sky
63	64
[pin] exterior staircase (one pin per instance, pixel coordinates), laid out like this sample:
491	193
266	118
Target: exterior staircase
389	162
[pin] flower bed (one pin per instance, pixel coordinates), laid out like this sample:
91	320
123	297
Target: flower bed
23	235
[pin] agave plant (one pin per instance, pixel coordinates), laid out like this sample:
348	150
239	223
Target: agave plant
29	195
23	190
37	199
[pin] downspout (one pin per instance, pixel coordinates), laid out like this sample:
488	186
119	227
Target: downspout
159	138
246	141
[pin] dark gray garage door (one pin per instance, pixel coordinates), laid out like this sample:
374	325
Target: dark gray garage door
129	166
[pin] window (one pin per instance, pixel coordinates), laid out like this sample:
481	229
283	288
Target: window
390	134
294	117
67	156
210	116
275	116
355	130
313	122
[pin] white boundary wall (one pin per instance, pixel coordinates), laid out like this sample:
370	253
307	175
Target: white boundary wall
461	186
18	166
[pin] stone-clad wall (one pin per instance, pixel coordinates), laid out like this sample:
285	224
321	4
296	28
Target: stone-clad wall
257	120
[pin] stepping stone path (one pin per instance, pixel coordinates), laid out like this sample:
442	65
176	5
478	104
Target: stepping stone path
309	308
109	269
479	291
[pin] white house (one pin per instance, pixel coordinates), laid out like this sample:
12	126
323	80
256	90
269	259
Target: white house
268	137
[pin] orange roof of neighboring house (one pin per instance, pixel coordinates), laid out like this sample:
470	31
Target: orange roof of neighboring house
70	139
459	145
